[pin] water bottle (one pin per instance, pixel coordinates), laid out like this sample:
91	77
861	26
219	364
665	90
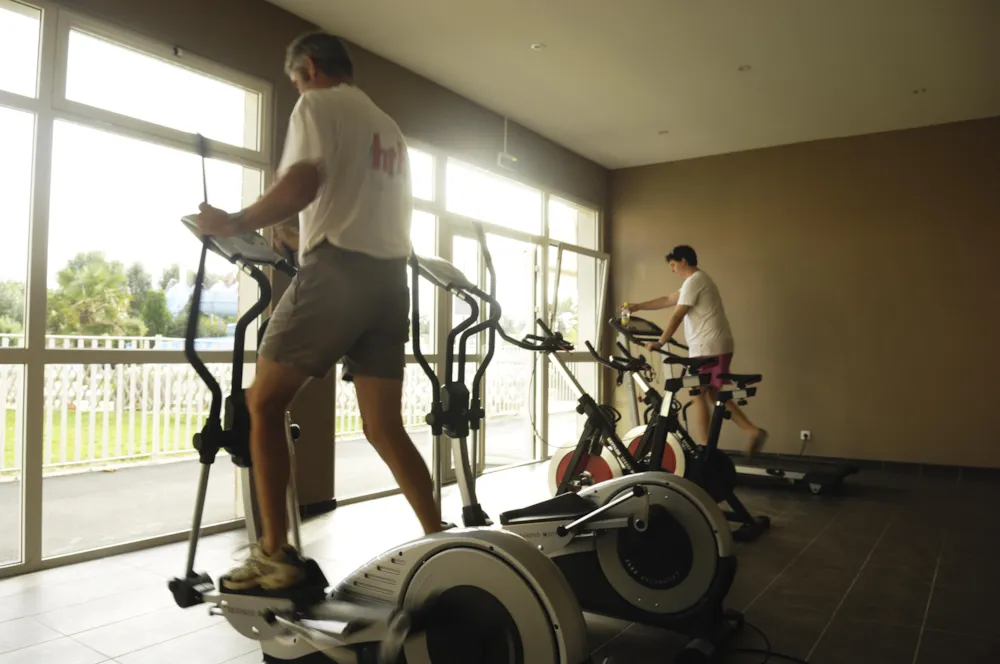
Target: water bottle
626	315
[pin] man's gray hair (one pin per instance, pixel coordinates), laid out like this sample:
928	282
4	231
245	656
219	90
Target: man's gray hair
328	52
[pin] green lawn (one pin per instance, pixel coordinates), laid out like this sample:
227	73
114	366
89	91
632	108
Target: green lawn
172	435
171	439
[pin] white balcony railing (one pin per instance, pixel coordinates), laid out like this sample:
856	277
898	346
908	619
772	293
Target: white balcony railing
100	415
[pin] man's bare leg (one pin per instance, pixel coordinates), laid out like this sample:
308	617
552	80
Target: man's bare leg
757	435
701	414
273	390
380	401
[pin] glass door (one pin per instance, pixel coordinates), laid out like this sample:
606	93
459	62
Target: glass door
513	379
576	286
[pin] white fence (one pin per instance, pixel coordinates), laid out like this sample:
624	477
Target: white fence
104	414
81	342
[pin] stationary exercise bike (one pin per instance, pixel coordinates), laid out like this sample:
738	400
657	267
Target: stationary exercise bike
650	547
600	454
465	595
817	474
665	444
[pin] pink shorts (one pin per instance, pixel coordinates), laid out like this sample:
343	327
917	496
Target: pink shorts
721	367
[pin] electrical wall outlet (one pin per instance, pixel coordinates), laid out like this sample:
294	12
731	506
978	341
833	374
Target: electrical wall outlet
805	435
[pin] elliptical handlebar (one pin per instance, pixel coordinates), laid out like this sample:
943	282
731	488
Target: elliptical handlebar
492	322
415	331
191	332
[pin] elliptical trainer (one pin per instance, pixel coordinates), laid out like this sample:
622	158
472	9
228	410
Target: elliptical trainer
470	595
648	547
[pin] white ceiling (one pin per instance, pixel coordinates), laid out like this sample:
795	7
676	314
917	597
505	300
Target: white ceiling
615	73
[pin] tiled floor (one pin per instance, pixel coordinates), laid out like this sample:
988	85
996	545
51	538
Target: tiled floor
900	568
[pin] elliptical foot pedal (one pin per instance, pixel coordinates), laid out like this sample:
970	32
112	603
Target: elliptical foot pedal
474	516
190	591
311	590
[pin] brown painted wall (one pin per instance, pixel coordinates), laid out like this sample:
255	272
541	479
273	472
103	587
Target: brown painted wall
251	36
860	275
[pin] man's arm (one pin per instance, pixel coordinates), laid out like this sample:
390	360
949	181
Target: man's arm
299	175
298	184
675	322
664	302
286	235
291	194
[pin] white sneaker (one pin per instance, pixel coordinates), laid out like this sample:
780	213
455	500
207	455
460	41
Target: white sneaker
281	570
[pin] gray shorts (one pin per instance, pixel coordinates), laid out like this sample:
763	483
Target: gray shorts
342	305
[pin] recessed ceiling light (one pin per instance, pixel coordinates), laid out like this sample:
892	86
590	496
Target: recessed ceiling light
539	46
744	68
920	91
663	132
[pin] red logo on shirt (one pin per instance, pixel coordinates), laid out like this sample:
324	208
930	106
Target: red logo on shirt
388	160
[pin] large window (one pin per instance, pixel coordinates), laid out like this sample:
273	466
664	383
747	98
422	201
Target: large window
19	38
96	278
160	92
572	223
11	460
121	266
99	402
481	195
17	130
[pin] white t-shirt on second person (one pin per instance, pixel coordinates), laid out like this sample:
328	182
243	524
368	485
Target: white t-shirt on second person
706	327
365	199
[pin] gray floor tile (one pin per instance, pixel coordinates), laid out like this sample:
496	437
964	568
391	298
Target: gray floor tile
151	629
810	587
254	657
59	651
23	633
969	611
817	545
108	610
214	645
852	642
45	598
887	599
792	628
59	575
941	648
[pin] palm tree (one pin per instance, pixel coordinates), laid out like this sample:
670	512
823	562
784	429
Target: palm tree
93	298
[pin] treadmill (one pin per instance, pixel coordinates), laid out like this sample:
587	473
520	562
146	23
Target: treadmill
817	474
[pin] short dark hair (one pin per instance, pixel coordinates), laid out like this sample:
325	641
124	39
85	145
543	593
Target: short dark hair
327	51
682	252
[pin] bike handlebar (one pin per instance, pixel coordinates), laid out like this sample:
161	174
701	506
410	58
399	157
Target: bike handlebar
628	363
548	342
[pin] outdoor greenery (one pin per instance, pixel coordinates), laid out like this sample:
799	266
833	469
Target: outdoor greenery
95	296
143	447
566	319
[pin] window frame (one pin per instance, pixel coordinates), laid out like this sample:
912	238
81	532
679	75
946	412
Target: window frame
175	55
48	106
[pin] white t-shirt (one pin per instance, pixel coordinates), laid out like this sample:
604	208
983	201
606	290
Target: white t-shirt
706	327
365	199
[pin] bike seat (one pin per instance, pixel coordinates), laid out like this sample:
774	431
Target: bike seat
741	379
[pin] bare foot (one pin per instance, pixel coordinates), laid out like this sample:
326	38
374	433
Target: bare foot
757	442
